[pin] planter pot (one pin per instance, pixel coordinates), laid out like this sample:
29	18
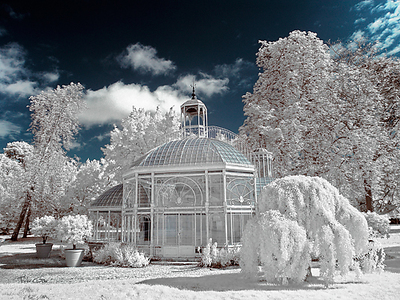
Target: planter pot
74	257
43	250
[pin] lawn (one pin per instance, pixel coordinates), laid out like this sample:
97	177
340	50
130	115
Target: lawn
22	276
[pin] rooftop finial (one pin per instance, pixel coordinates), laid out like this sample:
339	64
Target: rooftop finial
193	94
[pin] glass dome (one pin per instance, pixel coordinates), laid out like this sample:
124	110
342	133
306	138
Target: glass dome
192	151
110	198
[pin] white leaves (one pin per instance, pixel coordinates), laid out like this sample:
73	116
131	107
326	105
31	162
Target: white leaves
141	131
54	116
298	216
335	117
74	229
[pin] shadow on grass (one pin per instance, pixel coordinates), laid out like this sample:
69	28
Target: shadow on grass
223	283
392	260
30	261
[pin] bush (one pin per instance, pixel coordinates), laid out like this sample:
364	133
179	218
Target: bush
307	215
373	260
44	227
213	257
74	229
283	249
120	255
379	224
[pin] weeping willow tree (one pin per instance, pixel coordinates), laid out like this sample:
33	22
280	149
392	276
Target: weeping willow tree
298	218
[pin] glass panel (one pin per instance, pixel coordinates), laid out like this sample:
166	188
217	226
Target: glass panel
171	230
216	189
240	191
201	230
186	229
144	192
238	224
180	191
115	227
217	228
145	230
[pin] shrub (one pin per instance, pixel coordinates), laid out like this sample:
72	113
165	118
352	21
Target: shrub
379	224
297	207
44	227
213	257
120	255
283	249
373	260
74	229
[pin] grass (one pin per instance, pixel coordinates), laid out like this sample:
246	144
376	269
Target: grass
23	276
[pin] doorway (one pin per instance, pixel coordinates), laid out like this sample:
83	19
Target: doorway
183	231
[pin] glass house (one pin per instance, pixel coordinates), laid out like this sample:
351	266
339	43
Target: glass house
186	191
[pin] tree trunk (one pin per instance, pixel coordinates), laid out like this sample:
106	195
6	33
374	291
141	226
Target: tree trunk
26	229
24	209
368	196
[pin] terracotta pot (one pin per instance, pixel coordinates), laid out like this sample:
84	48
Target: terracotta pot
74	257
43	250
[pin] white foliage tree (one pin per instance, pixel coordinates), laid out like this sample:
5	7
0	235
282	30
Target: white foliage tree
300	217
54	123
90	181
290	107
141	131
12	183
330	116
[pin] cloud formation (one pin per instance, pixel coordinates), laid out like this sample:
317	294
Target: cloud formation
206	85
13	74
8	129
15	78
384	28
144	59
113	103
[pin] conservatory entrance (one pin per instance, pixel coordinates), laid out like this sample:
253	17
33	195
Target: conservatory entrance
182	232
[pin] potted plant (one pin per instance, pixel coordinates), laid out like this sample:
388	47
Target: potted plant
74	230
44	227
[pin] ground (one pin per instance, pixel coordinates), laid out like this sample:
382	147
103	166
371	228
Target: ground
23	276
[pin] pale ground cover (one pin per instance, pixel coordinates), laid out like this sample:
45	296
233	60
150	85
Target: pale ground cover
22	276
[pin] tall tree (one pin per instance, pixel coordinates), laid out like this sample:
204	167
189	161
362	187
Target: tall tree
141	131
368	90
54	123
22	153
330	116
290	105
91	180
12	183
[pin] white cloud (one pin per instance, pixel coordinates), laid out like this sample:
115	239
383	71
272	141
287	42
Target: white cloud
144	59
11	62
233	70
360	20
207	85
14	77
364	4
385	29
50	76
101	137
75	145
113	103
8	129
21	87
375	26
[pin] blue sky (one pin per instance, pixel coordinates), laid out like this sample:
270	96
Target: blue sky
147	53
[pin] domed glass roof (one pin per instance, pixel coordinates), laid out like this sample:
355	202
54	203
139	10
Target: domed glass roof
192	151
111	197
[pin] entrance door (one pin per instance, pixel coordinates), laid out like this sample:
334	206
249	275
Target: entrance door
179	239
